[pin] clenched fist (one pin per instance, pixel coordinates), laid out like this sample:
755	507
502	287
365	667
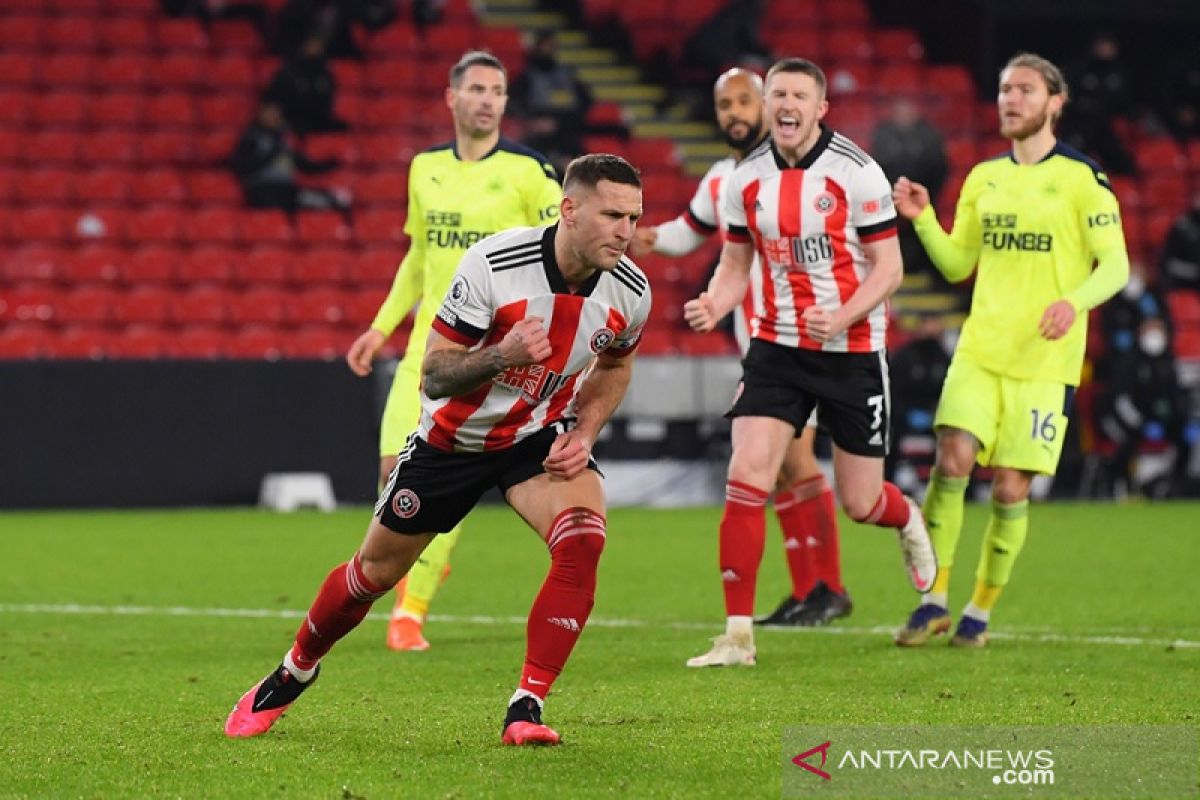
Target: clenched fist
525	343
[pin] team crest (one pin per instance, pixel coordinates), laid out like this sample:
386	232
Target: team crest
601	339
406	503
825	203
457	295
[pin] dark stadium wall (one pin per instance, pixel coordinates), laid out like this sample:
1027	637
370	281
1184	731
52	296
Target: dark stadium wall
179	433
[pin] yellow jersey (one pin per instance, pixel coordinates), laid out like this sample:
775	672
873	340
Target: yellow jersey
1034	231
452	204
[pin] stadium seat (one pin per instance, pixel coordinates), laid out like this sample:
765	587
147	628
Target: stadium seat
67	70
198	342
179	72
40	223
124	33
1160	154
328	344
362	306
255	342
321	265
63	109
378	227
200	306
352	77
94	263
46	185
949	81
123	71
162	224
213	148
146	304
261	306
897	45
213	187
172	110
121	109
12	145
384	151
900	79
341	147
850	44
389	112
318	306
21	31
33	263
93	305
110	147
234	72
374	267
159	186
1184	305
151	264
265	226
27	304
234	36
80	342
264	265
139	341
54	146
70	32
19	342
103	185
228	109
208	264
321	227
15	105
179	35
212	224
390	77
17	69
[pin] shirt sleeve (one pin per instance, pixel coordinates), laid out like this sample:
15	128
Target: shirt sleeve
467	311
545	194
409	283
1100	221
734	210
628	340
954	254
872	212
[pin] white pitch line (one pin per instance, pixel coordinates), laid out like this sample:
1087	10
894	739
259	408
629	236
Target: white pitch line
600	622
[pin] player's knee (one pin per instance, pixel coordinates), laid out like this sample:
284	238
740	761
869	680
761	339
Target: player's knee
955	455
858	507
578	534
1007	492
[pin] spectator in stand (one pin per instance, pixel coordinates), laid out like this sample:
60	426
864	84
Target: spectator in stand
907	144
727	39
1101	90
331	20
551	102
1181	253
1139	402
266	165
1179	106
304	87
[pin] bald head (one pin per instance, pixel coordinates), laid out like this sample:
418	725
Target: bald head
738	102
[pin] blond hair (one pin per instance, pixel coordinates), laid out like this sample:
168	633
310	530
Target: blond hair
1051	74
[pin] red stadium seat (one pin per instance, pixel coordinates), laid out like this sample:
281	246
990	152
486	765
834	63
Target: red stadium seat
117	109
227	109
850	44
90	342
1184	305
263	226
140	341
62	147
173	110
94	263
66	109
319	265
21	31
176	35
897	45
45	223
949	81
379	227
257	306
320	306
33	262
374	267
199	342
215	146
67	70
350	76
200	306
159	186
212	224
362	306
112	147
70	32
12	145
388	112
341	147
232	72
179	72
17	69
208	264
322	227
46	185
22	342
104	185
87	304
234	36
256	342
162	224
151	264
385	150
27	304
15	105
123	71
146	304
264	265
124	33
391	77
213	186
328	344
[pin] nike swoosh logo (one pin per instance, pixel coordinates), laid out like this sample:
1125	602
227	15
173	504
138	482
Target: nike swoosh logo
536	682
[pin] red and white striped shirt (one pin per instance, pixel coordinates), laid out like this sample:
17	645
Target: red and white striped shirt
500	281
808	224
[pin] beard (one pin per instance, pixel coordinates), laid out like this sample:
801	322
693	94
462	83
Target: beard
753	131
1027	128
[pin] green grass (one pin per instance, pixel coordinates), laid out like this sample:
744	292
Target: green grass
107	704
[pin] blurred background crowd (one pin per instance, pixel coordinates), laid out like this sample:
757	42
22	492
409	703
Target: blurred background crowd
226	179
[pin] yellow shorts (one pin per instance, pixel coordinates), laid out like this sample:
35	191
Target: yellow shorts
403	409
1020	424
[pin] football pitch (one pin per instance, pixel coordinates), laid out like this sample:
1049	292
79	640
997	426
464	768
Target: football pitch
126	637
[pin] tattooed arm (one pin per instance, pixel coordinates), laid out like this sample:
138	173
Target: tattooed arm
449	369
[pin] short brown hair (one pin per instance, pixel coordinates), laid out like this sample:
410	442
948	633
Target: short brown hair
802	66
1051	74
475	58
589	170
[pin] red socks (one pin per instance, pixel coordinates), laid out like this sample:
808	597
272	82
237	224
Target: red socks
890	510
743	531
561	608
343	602
808	516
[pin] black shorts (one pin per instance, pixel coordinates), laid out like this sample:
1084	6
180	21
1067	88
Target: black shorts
849	390
431	490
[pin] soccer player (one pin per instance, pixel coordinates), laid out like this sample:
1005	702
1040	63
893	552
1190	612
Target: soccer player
459	192
818	212
802	497
529	356
1034	220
